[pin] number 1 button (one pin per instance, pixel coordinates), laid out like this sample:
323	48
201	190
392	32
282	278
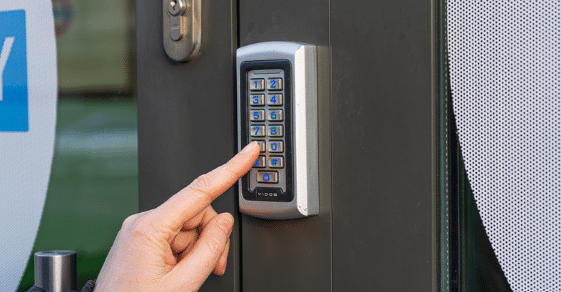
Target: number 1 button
256	84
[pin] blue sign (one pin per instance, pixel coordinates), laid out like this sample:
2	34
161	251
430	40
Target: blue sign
14	113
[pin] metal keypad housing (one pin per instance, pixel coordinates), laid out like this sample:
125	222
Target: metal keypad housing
284	114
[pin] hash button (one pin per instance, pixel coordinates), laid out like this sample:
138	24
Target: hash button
275	162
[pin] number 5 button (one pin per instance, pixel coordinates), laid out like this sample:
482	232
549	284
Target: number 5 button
257	115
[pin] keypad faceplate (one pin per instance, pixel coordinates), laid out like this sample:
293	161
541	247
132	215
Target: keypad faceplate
273	124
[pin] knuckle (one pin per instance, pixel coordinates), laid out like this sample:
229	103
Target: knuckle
215	245
201	185
129	221
142	226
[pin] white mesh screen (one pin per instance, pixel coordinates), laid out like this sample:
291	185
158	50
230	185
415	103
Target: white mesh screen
505	77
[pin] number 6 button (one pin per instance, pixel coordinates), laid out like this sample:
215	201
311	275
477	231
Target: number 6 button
274	115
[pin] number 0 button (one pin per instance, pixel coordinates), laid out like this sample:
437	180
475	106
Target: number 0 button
275	146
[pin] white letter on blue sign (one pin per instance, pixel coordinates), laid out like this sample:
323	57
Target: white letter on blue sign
6	49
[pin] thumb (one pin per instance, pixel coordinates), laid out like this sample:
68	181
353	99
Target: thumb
194	268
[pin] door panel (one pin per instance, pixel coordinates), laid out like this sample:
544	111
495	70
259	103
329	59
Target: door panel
186	110
382	204
293	255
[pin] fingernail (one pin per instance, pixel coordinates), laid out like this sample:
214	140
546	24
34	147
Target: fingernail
226	223
249	147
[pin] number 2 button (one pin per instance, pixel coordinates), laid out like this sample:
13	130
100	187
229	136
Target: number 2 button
274	84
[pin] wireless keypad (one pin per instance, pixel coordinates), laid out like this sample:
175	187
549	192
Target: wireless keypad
279	111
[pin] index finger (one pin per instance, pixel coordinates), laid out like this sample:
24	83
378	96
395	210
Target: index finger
193	199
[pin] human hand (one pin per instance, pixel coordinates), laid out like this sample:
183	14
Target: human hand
176	246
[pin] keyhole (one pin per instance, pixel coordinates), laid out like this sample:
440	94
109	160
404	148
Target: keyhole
176	7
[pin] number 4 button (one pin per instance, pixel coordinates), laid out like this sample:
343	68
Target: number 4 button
274	99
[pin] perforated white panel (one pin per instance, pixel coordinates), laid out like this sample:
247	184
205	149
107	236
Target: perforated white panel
506	87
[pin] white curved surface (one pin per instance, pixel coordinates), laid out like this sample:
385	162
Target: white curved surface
25	157
505	69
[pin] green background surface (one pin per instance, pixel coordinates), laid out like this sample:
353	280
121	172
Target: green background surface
93	185
95	51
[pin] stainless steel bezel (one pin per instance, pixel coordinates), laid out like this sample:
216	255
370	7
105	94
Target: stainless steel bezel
305	129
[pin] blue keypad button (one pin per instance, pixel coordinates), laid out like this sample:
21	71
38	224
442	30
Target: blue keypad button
267	177
274	84
260	162
275	162
257	99
274	99
275	146
257	116
275	131
257	84
275	115
261	145
257	131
